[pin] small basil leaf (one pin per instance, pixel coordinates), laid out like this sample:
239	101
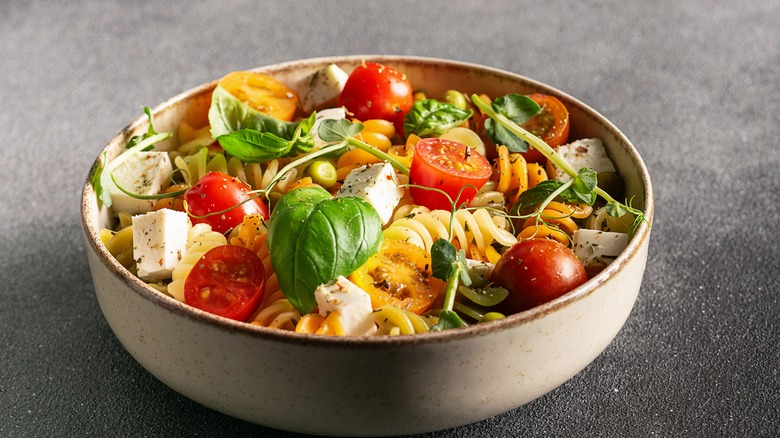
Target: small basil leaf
616	209
444	259
535	195
447	320
516	108
502	136
228	114
581	190
333	130
254	146
429	117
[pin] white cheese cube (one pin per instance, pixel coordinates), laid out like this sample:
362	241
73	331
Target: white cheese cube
594	245
479	272
588	152
143	173
159	241
330	113
352	304
377	184
323	86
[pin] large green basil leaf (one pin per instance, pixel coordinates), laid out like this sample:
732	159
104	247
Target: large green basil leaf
228	114
314	238
429	117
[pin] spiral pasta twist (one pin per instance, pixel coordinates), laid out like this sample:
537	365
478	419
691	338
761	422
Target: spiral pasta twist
392	320
515	175
475	232
555	221
200	239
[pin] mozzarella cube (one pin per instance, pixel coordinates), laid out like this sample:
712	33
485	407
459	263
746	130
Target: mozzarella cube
159	241
330	113
594	245
323	86
377	184
143	173
352	304
479	272
588	152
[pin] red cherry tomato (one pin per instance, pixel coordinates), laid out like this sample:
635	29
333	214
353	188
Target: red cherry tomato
551	124
229	281
222	194
536	271
449	166
376	91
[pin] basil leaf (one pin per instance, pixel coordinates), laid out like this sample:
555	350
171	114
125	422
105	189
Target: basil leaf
447	320
616	209
333	130
429	117
519	109
314	238
534	196
254	146
444	259
228	114
583	185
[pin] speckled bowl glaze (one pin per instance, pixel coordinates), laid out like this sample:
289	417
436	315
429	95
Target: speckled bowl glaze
372	386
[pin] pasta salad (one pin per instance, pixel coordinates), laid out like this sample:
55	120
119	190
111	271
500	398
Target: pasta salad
353	204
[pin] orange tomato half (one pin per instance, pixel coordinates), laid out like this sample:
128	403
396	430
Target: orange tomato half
263	93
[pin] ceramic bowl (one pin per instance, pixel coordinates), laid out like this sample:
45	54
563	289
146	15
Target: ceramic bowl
384	385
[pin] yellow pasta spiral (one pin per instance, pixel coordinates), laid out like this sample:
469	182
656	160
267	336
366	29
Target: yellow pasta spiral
392	320
475	232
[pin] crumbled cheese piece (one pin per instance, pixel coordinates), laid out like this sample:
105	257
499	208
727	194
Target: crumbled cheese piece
321	87
594	245
159	241
479	271
330	113
143	173
588	152
377	184
352	304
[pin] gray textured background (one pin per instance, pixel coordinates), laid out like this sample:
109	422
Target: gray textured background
693	84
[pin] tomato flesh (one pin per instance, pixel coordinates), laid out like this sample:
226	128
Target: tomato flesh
376	91
222	201
448	166
228	280
536	271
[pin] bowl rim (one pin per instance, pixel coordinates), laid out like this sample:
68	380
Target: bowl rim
170	304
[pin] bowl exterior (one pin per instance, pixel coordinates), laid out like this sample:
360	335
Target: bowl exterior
372	387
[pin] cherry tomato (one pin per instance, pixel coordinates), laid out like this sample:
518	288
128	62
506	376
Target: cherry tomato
229	281
376	91
399	274
551	124
226	197
262	92
536	271
449	166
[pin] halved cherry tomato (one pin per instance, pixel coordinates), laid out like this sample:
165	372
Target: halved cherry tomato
449	166
229	281
551	124
376	91
399	274
222	202
536	271
262	92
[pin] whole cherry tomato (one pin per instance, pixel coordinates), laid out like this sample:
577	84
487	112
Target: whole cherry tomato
222	201
229	281
536	271
551	124
376	91
449	166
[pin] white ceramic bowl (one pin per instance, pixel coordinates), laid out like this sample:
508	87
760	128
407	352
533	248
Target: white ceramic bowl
383	385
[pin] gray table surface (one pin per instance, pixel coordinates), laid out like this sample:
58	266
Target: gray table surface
695	85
